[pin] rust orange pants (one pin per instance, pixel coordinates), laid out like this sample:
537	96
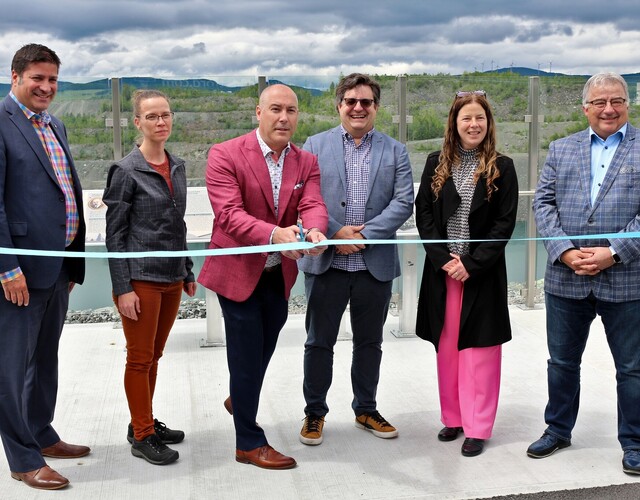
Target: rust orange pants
146	338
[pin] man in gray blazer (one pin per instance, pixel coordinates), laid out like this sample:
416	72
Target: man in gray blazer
367	186
590	185
40	209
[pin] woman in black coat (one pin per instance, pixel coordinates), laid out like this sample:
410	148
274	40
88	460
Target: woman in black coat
468	192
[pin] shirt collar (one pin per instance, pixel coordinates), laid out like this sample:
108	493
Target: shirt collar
43	117
622	131
366	137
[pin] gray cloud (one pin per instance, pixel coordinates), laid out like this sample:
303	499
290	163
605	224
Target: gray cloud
179	52
211	37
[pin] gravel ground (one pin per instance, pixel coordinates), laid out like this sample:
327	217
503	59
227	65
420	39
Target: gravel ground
196	308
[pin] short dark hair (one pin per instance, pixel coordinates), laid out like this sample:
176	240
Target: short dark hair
33	53
354	80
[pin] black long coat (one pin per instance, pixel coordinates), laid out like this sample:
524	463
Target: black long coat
485	315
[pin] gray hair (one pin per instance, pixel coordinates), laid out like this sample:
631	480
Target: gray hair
601	79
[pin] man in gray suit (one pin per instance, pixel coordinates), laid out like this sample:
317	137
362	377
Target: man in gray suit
367	186
40	209
590	185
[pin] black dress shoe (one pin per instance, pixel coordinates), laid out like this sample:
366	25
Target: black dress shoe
631	462
472	447
449	433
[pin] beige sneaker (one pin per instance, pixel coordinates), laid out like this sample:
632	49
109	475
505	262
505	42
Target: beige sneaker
374	422
311	432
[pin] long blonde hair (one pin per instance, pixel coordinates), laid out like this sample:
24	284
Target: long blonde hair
450	154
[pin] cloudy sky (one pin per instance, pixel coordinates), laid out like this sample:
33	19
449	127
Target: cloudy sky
245	38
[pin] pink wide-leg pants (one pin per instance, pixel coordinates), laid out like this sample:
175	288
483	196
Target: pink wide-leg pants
468	380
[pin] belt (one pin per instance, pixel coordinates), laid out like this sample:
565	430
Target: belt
272	269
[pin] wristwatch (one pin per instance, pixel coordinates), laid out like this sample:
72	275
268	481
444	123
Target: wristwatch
615	256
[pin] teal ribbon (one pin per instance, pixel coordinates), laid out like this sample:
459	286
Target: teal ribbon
286	246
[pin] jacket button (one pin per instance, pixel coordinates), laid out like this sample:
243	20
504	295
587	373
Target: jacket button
343	204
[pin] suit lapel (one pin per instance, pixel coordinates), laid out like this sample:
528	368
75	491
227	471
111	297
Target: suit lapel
377	149
616	163
31	136
289	180
479	195
450	200
584	162
337	150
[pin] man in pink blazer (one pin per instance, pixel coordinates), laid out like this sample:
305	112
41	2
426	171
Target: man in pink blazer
259	186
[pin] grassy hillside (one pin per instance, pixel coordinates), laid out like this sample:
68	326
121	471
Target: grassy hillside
205	116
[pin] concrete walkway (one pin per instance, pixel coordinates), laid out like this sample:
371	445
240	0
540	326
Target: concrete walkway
350	463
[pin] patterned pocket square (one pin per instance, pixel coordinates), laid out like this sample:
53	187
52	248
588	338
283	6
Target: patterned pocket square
627	169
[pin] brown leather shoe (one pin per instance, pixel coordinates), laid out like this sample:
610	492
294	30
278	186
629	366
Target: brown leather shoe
44	478
65	450
227	405
265	457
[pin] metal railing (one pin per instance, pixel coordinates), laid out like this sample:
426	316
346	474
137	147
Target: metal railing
408	300
408	282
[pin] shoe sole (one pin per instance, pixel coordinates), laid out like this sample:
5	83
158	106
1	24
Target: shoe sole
44	488
471	454
49	455
249	462
534	455
166	461
474	454
310	441
130	440
382	435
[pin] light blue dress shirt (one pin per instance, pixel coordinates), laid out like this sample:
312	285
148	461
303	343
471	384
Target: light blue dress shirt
602	152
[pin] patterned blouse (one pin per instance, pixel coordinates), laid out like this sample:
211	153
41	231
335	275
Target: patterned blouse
458	224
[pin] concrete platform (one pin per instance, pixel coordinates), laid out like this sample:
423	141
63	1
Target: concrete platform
350	463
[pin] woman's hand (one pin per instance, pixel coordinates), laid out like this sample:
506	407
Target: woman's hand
129	305
455	268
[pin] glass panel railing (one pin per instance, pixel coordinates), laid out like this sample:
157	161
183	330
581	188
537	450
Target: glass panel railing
212	109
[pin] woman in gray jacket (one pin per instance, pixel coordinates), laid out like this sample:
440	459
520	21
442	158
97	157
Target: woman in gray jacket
146	198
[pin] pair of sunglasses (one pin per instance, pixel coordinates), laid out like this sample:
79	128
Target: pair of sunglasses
465	93
352	101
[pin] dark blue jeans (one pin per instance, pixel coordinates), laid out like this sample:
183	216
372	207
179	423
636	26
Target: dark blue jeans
568	324
327	297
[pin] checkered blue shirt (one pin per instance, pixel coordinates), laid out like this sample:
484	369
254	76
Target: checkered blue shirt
357	162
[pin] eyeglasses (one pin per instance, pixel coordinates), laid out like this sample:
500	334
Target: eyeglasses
465	93
154	118
616	102
352	101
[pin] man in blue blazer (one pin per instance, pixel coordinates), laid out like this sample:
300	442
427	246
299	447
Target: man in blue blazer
40	209
590	185
367	186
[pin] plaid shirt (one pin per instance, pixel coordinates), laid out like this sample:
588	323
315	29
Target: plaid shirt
61	167
357	162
